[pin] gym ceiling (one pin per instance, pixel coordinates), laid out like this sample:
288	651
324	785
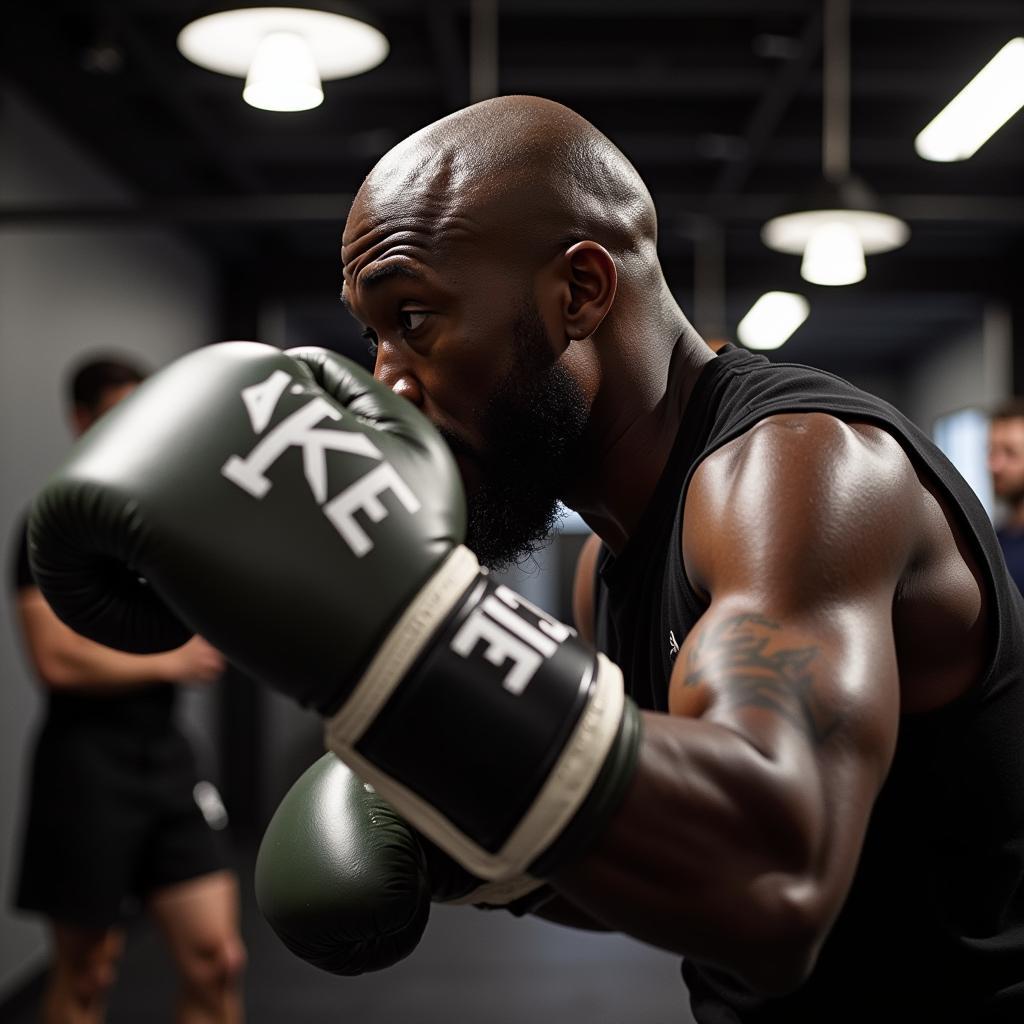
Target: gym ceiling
717	102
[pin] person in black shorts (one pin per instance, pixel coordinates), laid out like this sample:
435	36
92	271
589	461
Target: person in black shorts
1006	464
114	822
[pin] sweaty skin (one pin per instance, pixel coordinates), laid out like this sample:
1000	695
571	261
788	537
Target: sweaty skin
737	841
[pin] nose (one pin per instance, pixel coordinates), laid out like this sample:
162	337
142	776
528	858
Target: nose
397	375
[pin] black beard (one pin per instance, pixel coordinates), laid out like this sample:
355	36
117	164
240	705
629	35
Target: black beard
534	423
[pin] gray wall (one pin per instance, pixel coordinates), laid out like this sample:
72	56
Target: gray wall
973	369
64	292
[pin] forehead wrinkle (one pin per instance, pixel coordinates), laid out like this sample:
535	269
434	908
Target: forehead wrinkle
422	238
379	243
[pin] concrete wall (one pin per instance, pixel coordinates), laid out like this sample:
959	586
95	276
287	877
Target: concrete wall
64	292
973	369
967	376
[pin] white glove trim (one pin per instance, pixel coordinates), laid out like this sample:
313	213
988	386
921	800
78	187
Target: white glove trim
498	894
565	788
401	647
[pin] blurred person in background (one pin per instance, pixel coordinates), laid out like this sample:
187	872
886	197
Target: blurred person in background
114	822
1006	464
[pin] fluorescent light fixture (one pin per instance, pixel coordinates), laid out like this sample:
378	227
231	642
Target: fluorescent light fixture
283	53
283	75
772	319
833	255
979	110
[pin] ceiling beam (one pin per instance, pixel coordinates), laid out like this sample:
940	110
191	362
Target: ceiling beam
166	83
769	111
904	10
330	206
450	57
613	83
642	147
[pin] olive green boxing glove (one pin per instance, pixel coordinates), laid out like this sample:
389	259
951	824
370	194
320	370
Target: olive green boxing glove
347	885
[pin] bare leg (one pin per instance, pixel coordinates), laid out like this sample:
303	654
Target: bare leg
83	972
200	920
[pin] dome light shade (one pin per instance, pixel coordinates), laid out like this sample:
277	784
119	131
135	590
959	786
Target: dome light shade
834	255
876	232
849	203
283	75
295	47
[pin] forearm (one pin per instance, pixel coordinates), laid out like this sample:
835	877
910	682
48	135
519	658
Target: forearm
66	660
705	857
90	667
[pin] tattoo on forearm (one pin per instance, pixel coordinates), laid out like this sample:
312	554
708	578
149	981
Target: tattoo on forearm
736	652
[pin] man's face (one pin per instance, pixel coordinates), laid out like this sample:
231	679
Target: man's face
458	331
1006	458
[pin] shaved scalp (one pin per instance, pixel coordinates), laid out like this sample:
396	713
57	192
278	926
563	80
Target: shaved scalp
531	168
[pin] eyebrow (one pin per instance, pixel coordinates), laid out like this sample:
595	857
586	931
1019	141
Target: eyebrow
378	275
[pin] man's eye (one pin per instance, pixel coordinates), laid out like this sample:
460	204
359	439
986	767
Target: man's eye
412	319
371	342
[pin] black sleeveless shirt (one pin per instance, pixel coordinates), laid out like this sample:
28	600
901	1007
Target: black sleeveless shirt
933	927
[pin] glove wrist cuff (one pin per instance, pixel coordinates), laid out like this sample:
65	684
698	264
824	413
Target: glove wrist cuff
488	724
436	600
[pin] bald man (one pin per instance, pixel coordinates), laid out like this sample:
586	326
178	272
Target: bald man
827	816
796	762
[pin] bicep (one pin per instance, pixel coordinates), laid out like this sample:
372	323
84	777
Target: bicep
799	543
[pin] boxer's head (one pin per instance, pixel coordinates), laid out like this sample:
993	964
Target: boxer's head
496	258
98	384
1006	452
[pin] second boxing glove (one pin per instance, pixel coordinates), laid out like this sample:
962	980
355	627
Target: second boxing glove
347	885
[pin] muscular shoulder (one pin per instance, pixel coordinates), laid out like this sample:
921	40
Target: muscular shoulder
817	442
803	488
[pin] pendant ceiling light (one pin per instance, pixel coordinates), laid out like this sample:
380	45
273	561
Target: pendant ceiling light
283	53
841	221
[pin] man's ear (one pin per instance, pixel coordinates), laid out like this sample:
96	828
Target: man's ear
590	281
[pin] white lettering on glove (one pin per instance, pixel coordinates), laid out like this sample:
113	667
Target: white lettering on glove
300	429
509	637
